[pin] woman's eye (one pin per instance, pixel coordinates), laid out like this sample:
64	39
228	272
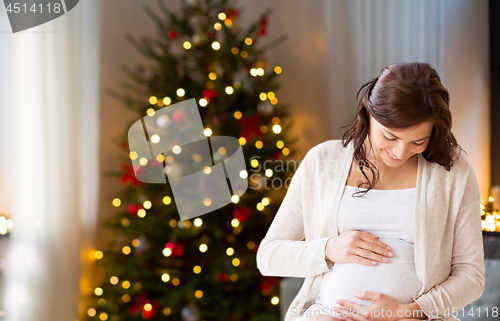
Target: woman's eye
395	139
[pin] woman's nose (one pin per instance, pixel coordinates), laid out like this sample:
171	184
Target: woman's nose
400	151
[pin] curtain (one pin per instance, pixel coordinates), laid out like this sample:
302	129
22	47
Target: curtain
364	36
49	161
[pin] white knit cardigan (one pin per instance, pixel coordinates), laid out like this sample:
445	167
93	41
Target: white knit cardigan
449	255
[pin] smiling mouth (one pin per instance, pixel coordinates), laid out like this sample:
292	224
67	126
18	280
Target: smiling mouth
391	157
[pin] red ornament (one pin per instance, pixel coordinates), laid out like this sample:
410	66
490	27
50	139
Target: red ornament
276	155
222	277
129	175
231	13
141	302
133	209
211	34
179	250
209	95
256	248
250	125
180	116
267	282
172	34
263	27
242	214
150	314
176	247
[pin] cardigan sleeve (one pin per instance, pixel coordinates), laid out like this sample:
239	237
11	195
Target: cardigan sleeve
283	252
466	281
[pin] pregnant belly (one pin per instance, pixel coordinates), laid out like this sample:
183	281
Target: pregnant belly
396	278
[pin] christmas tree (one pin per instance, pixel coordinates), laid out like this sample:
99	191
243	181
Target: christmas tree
157	267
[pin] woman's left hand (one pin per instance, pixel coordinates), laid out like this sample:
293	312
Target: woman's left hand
384	308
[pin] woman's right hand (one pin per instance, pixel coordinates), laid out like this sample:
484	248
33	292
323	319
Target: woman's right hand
357	247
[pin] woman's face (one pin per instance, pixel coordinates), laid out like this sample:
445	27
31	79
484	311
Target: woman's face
394	148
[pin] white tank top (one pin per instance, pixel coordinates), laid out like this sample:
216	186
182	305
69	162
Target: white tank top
390	215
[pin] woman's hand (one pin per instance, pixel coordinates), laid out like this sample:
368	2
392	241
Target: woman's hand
357	247
384	308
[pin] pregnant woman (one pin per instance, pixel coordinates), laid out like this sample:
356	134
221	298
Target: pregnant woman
384	224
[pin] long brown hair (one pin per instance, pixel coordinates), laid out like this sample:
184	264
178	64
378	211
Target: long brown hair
403	96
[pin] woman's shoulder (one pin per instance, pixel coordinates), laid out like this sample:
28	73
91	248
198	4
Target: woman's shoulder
461	162
331	149
459	180
324	157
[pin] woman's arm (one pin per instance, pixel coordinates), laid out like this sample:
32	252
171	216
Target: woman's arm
282	251
415	311
466	281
